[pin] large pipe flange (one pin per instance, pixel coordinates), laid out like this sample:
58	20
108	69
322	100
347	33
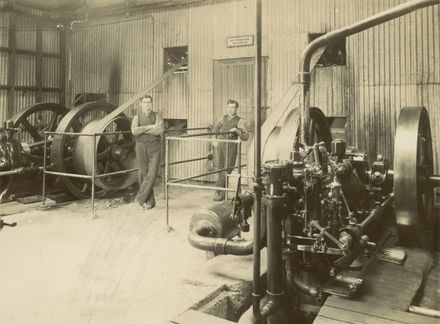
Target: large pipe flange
413	166
113	152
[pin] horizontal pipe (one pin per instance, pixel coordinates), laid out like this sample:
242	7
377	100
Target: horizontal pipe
29	88
28	52
70	175
70	133
189	160
357	27
304	287
86	134
198	239
203	174
338	34
116	173
205	134
424	311
213	229
435	180
219	140
377	212
185	129
186	185
19	171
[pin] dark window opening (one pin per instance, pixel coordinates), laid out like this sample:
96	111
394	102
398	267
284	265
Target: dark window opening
173	55
175	127
334	54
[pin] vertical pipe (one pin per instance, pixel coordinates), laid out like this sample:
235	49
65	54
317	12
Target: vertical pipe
226	166
274	254
44	168
256	297
239	159
93	173
166	183
338	34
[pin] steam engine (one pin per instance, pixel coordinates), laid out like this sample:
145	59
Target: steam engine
323	203
323	211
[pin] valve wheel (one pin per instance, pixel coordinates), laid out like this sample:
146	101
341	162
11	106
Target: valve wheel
413	165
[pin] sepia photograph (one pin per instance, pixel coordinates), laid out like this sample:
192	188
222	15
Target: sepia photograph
219	161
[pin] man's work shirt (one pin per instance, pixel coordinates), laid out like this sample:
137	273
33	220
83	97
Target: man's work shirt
227	123
153	134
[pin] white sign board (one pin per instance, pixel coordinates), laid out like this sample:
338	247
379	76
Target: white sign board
239	41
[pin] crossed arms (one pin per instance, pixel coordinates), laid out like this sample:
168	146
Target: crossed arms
155	129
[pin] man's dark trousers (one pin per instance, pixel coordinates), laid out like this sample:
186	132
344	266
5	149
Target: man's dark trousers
148	159
232	156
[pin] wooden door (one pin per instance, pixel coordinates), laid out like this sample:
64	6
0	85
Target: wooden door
234	79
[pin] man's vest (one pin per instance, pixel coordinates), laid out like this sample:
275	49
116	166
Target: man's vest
227	124
145	120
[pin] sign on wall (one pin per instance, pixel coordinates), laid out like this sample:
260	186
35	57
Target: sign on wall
239	41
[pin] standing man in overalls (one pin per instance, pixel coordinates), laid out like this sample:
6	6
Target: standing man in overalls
147	127
237	127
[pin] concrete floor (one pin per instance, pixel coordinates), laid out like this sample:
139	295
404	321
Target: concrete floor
119	266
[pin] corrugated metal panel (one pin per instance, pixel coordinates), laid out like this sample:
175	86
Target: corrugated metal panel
3	104
385	65
328	90
50	97
105	60
50	73
26	33
23	99
24	70
50	40
428	95
4	34
172	95
105	3
4	68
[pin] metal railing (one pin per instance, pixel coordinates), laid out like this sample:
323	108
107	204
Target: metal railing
178	182
91	177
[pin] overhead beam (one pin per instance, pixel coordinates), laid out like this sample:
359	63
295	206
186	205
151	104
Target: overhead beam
28	52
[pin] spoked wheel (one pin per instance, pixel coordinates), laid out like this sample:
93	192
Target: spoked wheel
33	121
413	191
114	153
63	148
319	131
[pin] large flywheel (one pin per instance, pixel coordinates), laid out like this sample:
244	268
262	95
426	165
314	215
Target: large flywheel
74	154
114	152
413	166
33	121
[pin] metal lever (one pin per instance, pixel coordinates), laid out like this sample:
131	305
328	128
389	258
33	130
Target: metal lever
3	223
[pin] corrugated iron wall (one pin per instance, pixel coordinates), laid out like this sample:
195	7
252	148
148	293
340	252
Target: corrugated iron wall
389	66
27	60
